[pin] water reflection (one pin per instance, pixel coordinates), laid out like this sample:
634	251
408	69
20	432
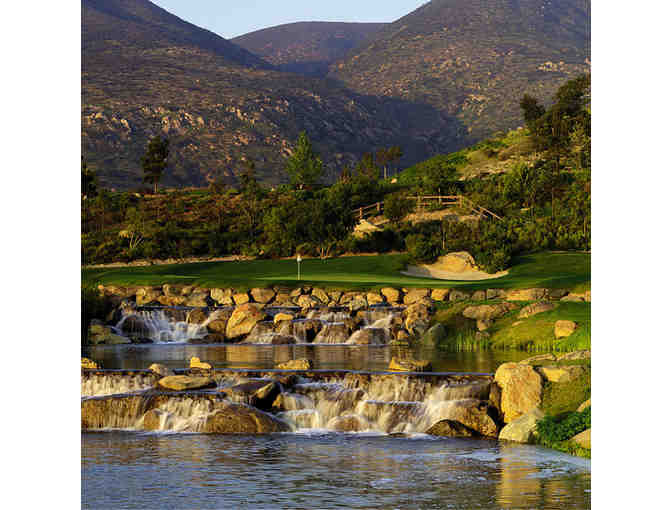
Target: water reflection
324	356
139	470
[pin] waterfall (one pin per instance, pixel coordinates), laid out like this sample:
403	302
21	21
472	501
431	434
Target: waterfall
381	403
160	328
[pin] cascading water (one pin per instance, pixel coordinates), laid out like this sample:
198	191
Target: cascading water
376	403
160	328
100	385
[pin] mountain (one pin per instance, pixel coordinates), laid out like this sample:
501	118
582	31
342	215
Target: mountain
147	72
474	59
307	47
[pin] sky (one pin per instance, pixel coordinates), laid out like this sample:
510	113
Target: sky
231	18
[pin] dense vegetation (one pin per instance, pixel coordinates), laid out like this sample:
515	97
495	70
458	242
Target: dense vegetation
543	204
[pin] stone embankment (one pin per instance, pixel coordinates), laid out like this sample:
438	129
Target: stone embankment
281	314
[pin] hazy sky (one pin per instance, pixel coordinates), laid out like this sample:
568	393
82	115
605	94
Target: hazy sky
230	18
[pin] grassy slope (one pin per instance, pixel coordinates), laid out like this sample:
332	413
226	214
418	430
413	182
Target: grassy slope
552	270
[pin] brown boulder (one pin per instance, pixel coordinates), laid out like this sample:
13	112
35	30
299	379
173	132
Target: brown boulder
348	423
222	296
241	298
409	365
526	294
295	364
474	414
242	419
536	308
243	319
451	428
440	294
564	328
561	374
488	312
185	383
415	295
391	295
146	295
521	389
263	296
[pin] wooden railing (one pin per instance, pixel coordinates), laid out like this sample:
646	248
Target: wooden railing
422	201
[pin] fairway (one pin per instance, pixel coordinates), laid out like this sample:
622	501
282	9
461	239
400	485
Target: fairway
550	270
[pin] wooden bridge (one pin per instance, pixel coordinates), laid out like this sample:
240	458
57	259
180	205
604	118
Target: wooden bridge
425	201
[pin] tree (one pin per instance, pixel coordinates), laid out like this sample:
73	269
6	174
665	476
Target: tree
397	206
304	167
89	181
386	156
368	168
154	161
532	110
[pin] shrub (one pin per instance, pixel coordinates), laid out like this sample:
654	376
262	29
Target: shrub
553	431
421	248
397	206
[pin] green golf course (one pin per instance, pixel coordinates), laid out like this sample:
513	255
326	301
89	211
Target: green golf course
548	270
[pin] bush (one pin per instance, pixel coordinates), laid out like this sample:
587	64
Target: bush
397	206
552	431
421	248
94	306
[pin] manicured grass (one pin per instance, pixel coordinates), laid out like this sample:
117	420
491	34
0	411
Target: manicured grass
537	333
552	270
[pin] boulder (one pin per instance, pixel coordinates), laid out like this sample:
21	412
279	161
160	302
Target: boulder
435	335
89	363
278	339
260	394
451	428
146	295
391	295
348	423
357	303
557	293
222	296
279	317
474	414
458	295
172	300
295	364
196	316
484	324
561	374
241	298
187	290
334	333
374	298
218	321
572	298
243	419
296	292
409	365
440	294
414	313
479	295
415	295
263	296
494	294
369	336
186	383
172	290
243	320
307	301
582	439
321	295
521	389
335	295
195	362
198	299
535	294
488	312
161	370
522	429
564	328
305	330
99	334
536	308
574	355
583	406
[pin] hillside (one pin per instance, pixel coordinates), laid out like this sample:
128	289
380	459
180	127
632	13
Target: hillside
307	47
147	72
474	59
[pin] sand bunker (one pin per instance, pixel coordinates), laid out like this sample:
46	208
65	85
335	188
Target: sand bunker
458	266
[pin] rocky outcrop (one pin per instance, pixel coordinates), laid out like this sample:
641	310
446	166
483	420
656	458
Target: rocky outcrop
434	335
535	294
348	423
260	394
195	362
561	374
521	389
522	429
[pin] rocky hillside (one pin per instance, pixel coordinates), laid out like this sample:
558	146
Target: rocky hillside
307	47
474	59
146	72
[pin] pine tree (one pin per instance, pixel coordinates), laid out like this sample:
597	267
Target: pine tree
304	167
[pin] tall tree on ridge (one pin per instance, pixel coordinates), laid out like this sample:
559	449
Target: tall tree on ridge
154	161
